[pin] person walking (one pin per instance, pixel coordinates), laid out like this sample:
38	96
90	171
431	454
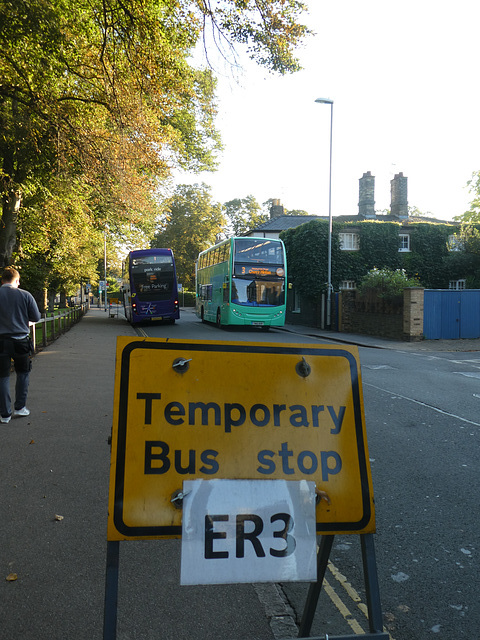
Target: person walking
17	310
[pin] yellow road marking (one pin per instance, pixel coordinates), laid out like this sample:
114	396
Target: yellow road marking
352	594
342	608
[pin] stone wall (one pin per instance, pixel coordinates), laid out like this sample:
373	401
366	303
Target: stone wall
413	313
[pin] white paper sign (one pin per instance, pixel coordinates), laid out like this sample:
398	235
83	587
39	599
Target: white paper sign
248	531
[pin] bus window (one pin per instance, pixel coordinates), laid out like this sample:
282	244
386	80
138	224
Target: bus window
255	250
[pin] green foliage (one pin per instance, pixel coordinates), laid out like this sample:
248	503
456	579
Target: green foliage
244	214
387	284
306	248
429	260
379	244
102	99
187	298
465	262
473	214
191	223
270	28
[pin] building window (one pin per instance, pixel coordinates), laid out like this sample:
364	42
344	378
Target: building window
349	241
347	284
404	242
455	243
457	285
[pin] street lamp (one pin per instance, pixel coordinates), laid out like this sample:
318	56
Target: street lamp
105	265
329	267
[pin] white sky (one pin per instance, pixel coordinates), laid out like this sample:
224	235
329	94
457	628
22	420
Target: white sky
404	80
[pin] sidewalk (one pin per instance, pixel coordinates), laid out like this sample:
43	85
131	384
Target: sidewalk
54	474
385	343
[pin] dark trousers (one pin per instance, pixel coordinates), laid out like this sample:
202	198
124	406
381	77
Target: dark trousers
19	351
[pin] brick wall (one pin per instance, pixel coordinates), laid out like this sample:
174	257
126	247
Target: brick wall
399	322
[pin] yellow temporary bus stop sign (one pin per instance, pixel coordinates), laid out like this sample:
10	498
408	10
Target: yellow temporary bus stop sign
186	410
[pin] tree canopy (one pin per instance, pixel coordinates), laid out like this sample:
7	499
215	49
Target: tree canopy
244	214
473	214
191	223
100	100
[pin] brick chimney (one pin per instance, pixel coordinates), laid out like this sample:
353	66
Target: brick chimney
399	199
366	200
276	209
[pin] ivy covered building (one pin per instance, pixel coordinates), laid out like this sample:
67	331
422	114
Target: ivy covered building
428	249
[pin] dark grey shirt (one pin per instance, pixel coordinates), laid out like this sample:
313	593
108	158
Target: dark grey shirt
17	308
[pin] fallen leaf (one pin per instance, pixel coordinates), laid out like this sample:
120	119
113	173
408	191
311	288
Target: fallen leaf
11	577
32	442
58	517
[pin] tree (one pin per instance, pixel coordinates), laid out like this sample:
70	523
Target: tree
473	214
269	28
59	247
191	223
244	214
105	93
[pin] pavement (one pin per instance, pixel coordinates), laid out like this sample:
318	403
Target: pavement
375	342
54	474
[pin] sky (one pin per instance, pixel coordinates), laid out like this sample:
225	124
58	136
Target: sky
404	80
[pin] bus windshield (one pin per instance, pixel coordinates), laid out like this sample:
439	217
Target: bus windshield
153	277
257	292
258	272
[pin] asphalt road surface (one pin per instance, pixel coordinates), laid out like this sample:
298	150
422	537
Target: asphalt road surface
422	416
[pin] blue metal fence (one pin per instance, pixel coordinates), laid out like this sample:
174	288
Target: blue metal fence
450	315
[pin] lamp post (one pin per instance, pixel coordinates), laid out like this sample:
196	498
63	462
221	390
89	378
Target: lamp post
329	267
105	266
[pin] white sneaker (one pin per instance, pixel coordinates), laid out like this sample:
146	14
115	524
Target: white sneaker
5	420
21	412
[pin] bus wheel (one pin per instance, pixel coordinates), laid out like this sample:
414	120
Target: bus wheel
219	319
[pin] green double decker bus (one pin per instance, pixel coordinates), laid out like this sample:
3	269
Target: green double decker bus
241	281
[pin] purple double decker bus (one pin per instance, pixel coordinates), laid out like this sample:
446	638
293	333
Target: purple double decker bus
149	286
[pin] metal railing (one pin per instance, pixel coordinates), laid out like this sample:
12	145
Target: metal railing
51	327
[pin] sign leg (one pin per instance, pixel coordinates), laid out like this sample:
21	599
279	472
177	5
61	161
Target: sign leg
315	588
375	618
111	591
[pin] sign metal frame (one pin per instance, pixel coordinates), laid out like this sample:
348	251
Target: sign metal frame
125	348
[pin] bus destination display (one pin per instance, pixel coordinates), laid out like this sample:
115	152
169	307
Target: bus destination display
255	270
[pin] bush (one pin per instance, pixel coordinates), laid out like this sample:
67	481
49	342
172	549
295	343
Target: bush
387	284
187	298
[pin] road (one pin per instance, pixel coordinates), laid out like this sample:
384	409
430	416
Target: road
422	416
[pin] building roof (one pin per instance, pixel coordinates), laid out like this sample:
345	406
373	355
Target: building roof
281	223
